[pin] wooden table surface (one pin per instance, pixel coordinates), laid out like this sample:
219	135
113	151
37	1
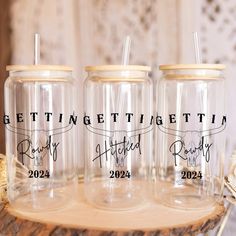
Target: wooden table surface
80	218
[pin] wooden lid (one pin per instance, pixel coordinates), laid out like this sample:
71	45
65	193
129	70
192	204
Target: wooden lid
192	66
38	67
118	68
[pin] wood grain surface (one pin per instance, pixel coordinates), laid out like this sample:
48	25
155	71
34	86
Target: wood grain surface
80	218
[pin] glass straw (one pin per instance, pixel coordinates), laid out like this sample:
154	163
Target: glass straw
125	62
126	51
36	49
198	57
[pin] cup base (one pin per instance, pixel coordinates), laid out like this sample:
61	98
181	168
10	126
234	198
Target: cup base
43	200
121	195
185	198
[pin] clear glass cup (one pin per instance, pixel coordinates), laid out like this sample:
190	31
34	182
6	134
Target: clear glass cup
40	136
118	125
190	146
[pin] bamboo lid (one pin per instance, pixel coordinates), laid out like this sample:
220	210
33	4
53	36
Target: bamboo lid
118	68
192	66
38	67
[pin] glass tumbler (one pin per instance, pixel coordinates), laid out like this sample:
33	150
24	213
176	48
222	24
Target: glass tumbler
190	146
40	136
118	125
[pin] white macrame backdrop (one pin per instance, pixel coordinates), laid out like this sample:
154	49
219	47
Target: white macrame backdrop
82	32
